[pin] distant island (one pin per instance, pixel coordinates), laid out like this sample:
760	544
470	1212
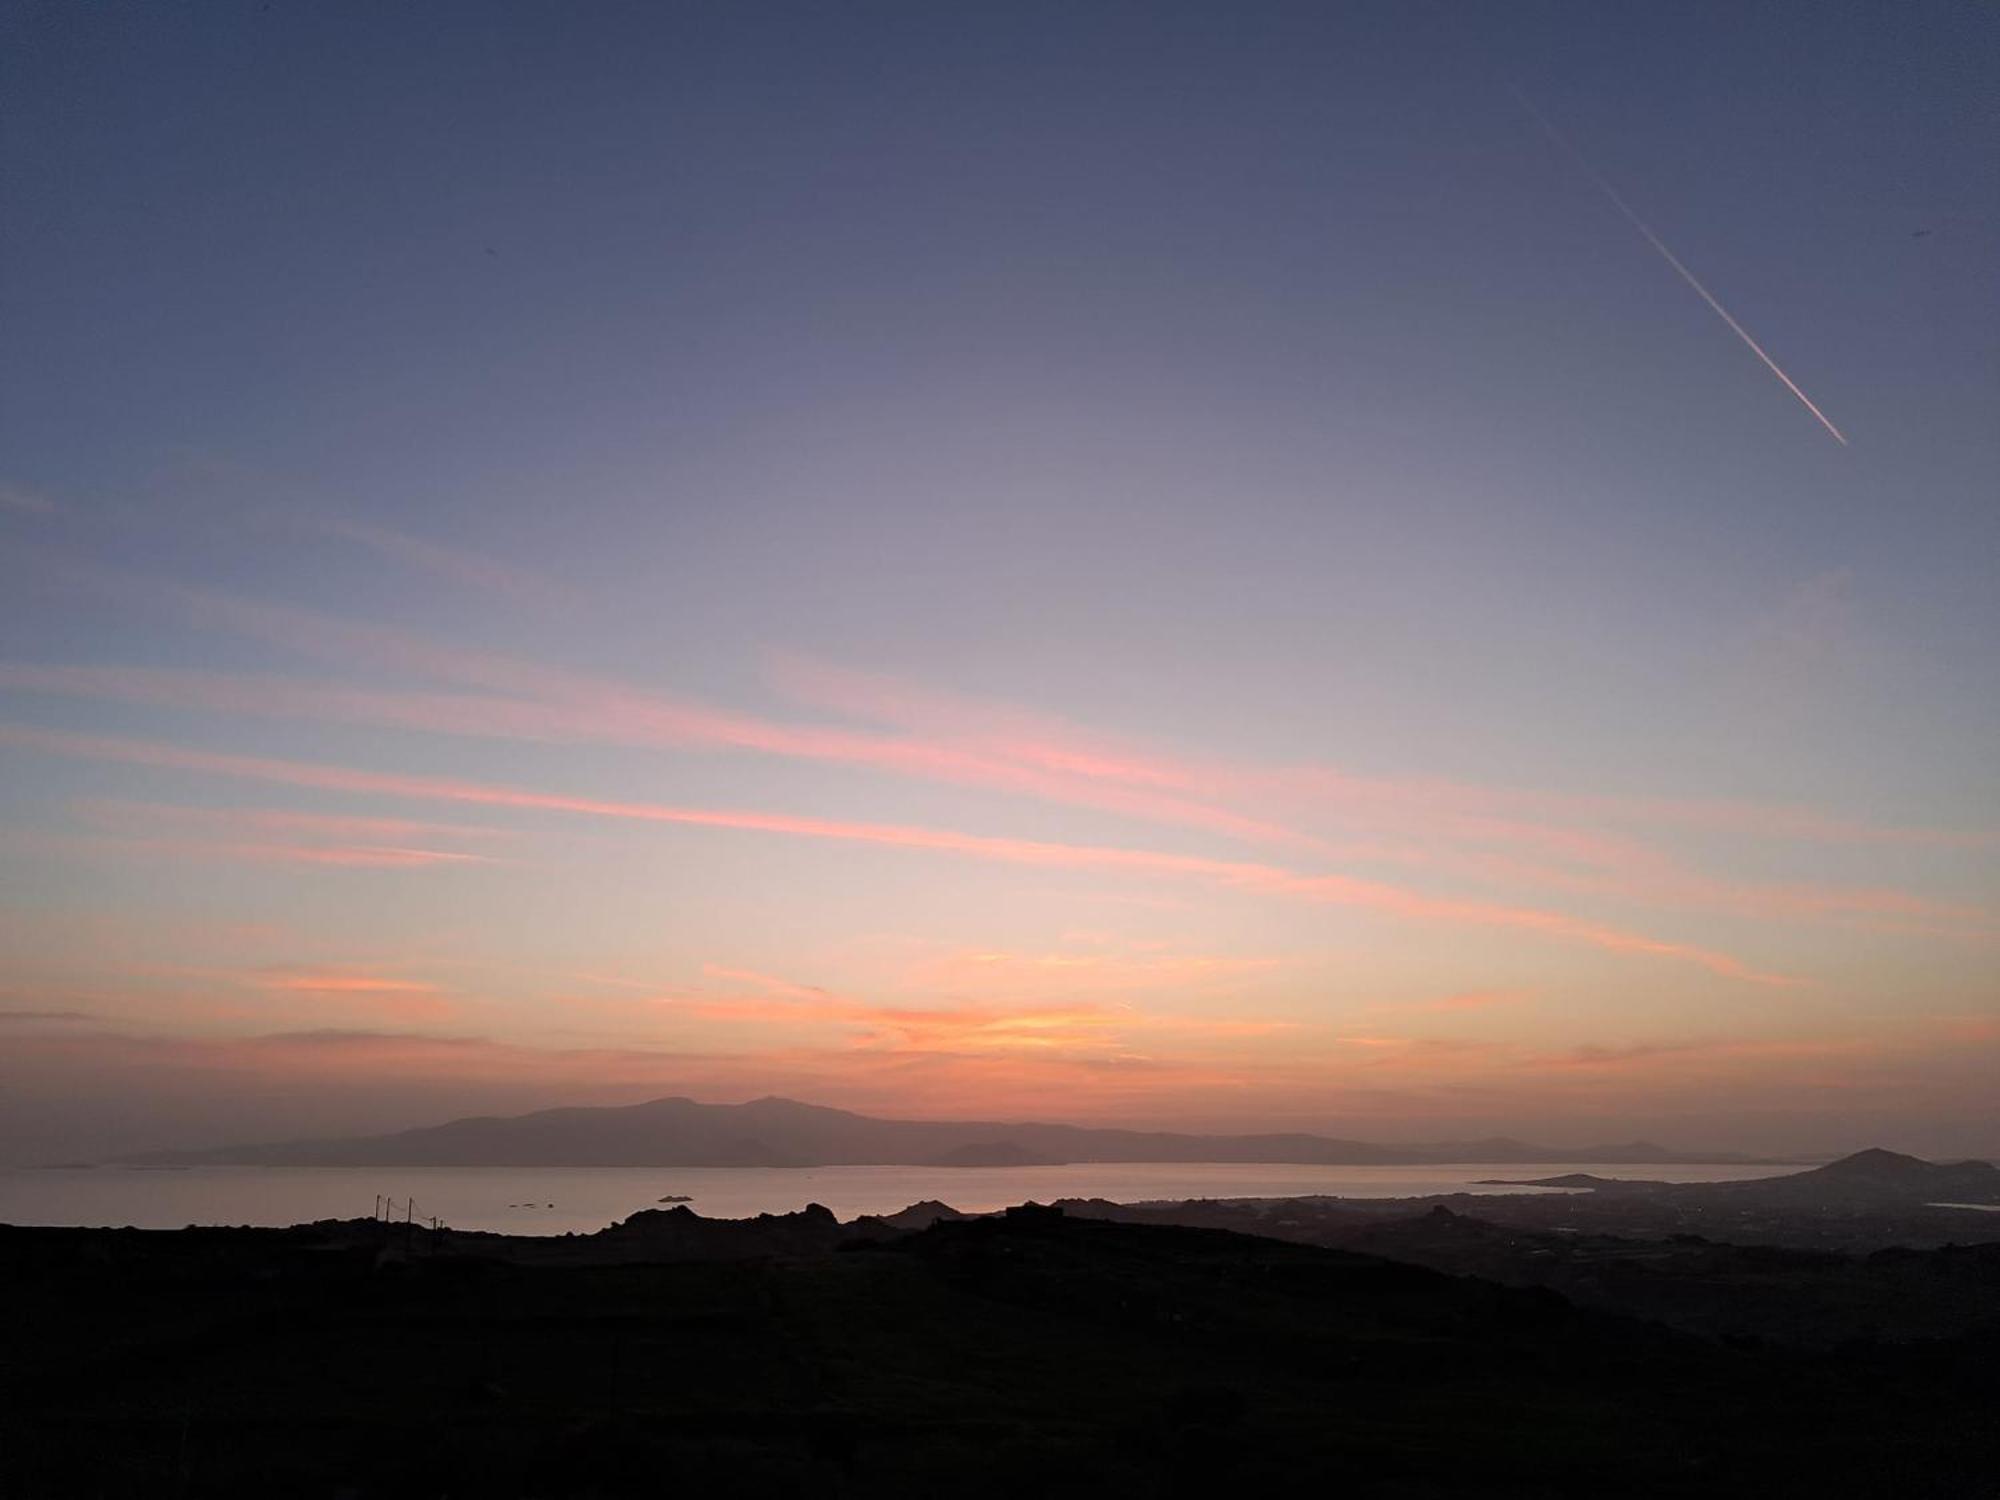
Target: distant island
1870	1176
775	1132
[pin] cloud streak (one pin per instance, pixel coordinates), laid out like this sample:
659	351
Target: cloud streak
1238	874
471	570
1437	827
258	835
25	502
1617	201
326	856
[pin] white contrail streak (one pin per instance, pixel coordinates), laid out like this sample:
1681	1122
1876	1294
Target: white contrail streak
1603	186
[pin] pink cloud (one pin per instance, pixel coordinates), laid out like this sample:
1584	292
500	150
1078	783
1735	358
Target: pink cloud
1332	889
563	708
1009	747
583	712
1019	734
1490	835
1435	823
1050	740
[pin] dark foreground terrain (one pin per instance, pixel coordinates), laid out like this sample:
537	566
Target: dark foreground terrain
1031	1354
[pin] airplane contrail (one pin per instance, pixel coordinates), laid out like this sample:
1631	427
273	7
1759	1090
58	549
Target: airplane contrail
1583	163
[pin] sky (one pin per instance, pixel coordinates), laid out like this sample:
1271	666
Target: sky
1406	570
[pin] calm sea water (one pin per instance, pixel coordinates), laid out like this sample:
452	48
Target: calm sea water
553	1200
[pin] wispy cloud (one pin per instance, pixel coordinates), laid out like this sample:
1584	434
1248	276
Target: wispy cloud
1243	875
1501	835
1495	838
350	989
1458	1004
23	1017
455	563
326	856
25	502
1804	645
253	496
265	835
1081	970
340	983
257	836
1502	813
1579	842
1679	1053
345	828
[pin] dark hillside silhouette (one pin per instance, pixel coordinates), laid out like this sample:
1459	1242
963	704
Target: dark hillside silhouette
1033	1352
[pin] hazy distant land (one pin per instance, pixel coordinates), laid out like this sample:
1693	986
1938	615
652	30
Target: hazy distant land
773	1132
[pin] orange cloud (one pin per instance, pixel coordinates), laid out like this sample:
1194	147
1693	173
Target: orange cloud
378	994
345	984
981	1026
974	1028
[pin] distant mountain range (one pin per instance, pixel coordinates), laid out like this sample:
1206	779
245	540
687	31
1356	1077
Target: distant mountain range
785	1133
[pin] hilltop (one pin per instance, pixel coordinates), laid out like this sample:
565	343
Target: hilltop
1869	1178
1033	1352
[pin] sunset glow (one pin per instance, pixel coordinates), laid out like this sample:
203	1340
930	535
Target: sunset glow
1183	577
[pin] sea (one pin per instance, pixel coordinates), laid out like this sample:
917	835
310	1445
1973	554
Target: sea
560	1200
